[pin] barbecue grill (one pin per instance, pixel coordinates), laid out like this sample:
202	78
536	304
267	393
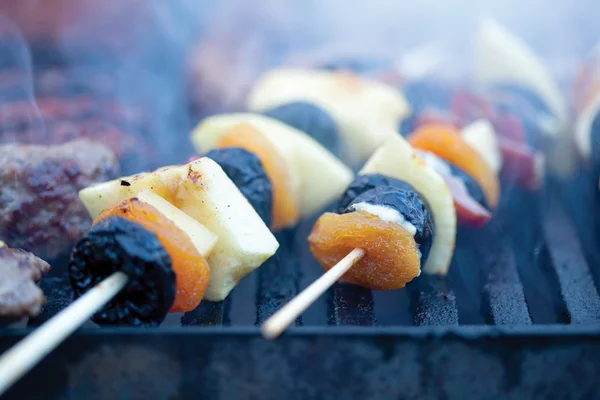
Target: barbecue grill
518	316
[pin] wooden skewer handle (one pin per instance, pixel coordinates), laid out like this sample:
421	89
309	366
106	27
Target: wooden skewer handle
23	356
274	326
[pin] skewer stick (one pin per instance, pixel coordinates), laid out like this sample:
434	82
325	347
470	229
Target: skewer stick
23	356
279	321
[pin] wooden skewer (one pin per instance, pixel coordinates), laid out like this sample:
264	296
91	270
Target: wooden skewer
23	356
278	322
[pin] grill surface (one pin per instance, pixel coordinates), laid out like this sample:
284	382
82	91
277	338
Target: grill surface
518	316
519	310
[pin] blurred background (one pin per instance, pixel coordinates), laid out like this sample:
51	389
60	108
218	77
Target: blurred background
163	65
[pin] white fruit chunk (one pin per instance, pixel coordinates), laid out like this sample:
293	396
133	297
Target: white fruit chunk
204	192
480	135
366	111
502	58
397	159
317	176
203	239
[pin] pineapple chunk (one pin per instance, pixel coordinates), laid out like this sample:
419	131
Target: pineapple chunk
317	176
367	111
397	159
204	192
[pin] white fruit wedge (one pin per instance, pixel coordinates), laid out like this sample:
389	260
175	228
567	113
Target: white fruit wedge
204	192
397	159
366	111
201	237
502	58
480	135
316	175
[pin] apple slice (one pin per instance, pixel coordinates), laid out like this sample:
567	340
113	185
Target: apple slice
204	192
480	135
316	175
397	159
367	111
502	58
203	239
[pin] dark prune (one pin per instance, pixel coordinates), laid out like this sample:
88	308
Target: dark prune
311	119
248	174
116	244
409	204
472	187
362	183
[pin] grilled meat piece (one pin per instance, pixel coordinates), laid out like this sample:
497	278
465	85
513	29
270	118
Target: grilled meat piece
40	210
19	295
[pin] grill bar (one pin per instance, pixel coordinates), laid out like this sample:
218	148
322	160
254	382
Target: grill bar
351	305
436	303
575	280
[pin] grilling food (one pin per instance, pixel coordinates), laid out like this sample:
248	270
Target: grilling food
447	143
400	211
204	192
285	209
366	112
174	230
311	119
315	175
19	294
40	210
246	171
117	244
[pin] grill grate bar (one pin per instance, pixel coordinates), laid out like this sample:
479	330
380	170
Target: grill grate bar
277	279
208	313
575	280
351	305
436	303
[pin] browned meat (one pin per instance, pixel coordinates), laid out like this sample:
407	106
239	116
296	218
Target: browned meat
40	210
19	271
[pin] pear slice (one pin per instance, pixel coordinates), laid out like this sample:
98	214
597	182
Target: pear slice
316	175
204	192
397	159
366	111
502	58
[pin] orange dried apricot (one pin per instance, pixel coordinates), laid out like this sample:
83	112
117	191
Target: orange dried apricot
447	143
392	257
191	269
285	209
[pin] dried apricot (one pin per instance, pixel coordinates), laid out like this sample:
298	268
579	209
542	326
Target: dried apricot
446	142
285	209
191	269
392	257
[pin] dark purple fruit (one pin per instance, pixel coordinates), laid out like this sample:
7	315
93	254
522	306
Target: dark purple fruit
310	119
116	244
408	204
362	183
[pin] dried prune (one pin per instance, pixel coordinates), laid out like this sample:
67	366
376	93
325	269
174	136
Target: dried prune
310	119
362	183
116	244
410	207
248	174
